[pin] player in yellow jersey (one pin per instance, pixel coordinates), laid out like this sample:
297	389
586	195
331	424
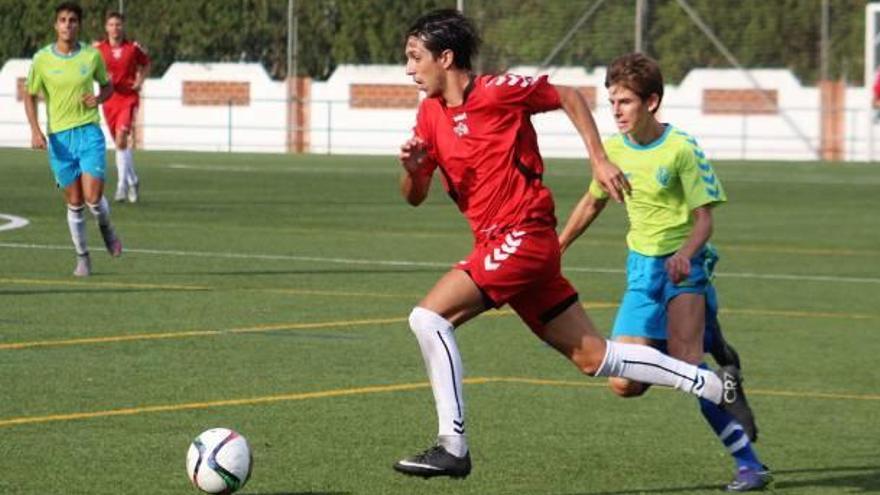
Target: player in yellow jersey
64	72
670	302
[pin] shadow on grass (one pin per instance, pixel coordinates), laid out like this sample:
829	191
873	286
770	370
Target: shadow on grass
323	271
861	479
296	493
858	479
635	491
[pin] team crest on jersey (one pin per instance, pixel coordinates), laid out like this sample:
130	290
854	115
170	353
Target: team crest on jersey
83	69
663	176
461	127
117	53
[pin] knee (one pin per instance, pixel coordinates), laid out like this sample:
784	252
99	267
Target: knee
626	388
423	320
94	206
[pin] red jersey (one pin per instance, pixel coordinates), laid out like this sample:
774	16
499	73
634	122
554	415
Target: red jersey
122	63
487	151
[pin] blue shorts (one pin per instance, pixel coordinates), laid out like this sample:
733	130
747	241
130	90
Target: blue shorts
642	311
77	151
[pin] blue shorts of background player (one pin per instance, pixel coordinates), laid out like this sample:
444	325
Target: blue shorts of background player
642	311
77	151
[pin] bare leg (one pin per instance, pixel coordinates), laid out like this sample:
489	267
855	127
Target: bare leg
93	190
573	334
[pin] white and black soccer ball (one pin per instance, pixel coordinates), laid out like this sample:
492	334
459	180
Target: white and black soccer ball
219	461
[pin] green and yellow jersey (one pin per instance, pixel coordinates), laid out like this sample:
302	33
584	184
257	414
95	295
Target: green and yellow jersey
670	177
63	80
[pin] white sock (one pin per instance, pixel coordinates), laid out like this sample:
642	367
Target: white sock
443	363
130	176
120	169
101	211
77	225
648	365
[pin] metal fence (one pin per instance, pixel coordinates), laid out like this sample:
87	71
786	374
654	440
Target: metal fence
332	130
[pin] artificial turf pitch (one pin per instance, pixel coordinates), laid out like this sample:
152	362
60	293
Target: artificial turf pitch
269	294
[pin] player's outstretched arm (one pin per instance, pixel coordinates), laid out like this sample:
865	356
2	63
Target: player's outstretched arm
415	180
38	139
609	176
92	101
586	211
678	266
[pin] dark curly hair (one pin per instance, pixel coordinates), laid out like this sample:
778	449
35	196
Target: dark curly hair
447	29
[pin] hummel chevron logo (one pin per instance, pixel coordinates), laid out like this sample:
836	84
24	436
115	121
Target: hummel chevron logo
514	238
459	427
512	241
489	265
699	383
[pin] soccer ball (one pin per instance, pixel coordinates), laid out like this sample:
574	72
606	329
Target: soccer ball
219	461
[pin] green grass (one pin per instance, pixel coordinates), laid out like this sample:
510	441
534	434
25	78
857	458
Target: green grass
297	273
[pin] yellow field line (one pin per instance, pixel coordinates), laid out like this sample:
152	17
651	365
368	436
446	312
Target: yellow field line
594	305
91	284
332	293
205	405
800	314
322	394
198	333
751	392
589	305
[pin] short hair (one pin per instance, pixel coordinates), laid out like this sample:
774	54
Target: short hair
637	72
69	7
113	14
447	29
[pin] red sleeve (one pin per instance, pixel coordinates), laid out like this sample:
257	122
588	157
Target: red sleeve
424	130
534	94
140	54
877	86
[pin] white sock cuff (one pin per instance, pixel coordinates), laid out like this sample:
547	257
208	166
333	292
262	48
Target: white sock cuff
75	209
608	360
101	205
421	319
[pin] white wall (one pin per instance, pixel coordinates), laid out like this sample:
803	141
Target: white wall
335	128
168	124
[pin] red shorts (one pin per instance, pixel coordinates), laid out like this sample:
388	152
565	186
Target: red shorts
521	267
119	111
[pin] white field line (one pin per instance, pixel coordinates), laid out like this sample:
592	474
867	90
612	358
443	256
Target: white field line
434	264
13	222
556	172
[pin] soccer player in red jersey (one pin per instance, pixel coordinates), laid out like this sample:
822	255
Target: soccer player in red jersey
477	131
128	64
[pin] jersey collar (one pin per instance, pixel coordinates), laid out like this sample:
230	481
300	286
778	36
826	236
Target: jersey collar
653	144
464	97
69	55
